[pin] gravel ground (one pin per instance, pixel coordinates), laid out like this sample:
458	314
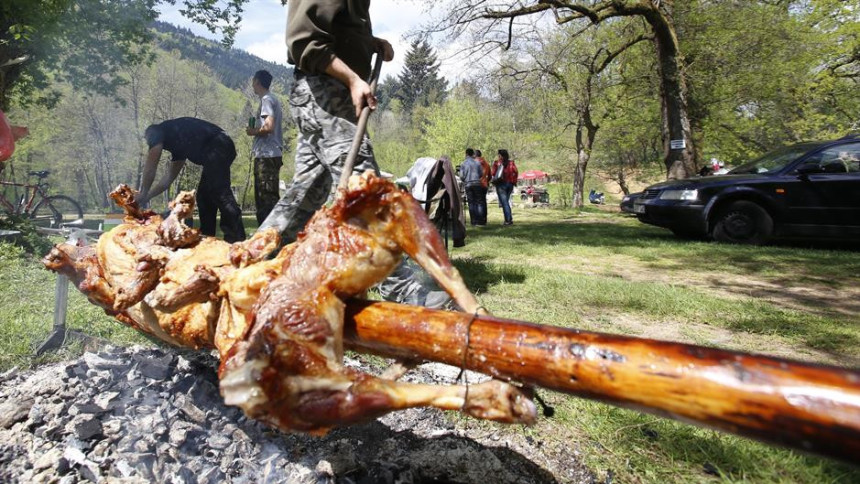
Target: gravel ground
128	415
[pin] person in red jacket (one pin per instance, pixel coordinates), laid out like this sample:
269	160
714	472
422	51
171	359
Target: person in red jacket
505	184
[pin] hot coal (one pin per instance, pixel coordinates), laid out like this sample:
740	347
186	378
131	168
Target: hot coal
153	415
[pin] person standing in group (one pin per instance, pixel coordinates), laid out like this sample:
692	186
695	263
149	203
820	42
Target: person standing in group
485	183
268	145
505	184
204	144
331	44
472	173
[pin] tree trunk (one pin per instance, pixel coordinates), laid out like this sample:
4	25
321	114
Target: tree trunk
621	179
679	161
583	146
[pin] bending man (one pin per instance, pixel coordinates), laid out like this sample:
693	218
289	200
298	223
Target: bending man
204	144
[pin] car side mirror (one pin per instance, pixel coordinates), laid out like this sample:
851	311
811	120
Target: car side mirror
805	170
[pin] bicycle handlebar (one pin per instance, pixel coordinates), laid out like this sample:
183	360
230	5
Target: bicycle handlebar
41	174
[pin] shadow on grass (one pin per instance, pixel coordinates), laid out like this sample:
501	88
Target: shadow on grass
821	336
717	454
480	275
793	258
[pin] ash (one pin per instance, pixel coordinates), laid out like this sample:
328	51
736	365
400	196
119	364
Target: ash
129	415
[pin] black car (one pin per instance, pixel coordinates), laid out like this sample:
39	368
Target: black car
804	190
628	201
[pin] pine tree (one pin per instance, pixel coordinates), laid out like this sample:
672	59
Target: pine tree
419	83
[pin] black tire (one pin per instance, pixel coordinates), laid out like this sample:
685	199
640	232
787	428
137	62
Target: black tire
57	211
743	222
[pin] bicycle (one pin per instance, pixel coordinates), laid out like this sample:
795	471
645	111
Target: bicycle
48	211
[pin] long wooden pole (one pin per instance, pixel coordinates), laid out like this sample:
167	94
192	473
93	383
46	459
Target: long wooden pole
361	127
809	407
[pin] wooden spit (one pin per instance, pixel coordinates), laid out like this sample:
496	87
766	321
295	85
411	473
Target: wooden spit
814	408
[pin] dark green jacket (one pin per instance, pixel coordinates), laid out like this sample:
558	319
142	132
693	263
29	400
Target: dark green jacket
319	30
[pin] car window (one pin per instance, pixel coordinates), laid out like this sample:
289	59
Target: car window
837	159
774	161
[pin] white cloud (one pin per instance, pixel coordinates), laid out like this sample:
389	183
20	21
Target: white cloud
272	49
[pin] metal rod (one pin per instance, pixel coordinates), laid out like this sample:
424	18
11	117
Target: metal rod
57	337
349	164
814	408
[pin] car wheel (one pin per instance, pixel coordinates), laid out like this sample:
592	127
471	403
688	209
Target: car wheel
743	222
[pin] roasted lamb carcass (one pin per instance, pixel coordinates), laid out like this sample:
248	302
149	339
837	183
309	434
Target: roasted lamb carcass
277	323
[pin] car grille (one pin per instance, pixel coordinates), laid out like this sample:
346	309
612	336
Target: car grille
649	194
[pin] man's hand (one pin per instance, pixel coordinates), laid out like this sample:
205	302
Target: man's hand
141	199
251	131
360	93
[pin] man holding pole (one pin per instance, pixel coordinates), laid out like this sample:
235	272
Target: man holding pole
331	44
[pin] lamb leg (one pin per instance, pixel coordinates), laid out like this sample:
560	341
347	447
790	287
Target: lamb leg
200	287
288	372
81	266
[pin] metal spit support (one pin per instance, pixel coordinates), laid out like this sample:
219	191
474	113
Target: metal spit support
61	299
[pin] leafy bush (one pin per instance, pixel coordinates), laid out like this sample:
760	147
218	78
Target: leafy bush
31	241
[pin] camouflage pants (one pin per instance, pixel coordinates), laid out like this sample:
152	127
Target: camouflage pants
266	190
325	117
322	110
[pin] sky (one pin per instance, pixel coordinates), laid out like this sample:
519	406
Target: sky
263	22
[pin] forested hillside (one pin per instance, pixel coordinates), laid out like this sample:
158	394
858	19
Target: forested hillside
231	66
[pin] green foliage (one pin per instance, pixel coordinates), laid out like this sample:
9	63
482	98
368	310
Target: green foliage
68	41
30	241
419	83
233	67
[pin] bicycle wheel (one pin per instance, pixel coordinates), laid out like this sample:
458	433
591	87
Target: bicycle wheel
57	211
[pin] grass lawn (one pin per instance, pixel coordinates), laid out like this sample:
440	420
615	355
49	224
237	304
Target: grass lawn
599	270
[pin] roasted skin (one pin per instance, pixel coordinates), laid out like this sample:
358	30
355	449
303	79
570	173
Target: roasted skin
278	323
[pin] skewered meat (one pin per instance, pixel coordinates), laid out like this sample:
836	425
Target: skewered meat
278	323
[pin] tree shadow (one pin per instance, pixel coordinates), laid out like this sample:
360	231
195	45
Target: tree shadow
805	267
480	275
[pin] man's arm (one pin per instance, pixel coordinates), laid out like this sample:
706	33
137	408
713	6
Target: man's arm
147	191
359	89
267	128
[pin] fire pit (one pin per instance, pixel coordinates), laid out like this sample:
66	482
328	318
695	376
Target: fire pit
149	415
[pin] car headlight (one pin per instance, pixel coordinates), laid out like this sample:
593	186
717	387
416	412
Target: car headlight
688	195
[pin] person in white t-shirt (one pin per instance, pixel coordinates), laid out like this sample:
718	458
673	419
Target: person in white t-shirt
268	146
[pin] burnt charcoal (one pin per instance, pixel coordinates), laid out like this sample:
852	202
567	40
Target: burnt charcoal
48	460
126	426
154	366
88	428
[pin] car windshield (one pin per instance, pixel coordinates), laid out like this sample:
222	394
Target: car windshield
773	161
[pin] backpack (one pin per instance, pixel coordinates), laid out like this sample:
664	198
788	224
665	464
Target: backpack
498	175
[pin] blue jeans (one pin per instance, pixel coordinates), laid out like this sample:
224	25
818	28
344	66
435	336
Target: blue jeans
504	190
477	196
